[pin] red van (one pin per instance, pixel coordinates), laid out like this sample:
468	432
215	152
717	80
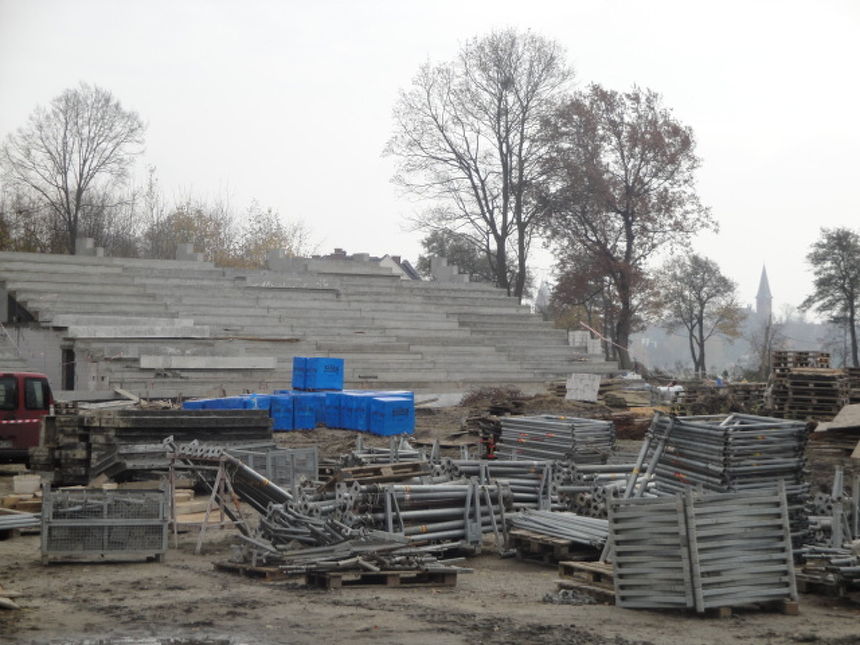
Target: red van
25	397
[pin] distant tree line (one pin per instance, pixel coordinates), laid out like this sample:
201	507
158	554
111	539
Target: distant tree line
66	172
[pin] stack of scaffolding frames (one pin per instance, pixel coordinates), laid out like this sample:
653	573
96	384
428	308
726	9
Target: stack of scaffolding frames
702	551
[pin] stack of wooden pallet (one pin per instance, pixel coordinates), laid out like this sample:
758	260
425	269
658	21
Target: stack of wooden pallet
853	375
788	359
747	397
809	392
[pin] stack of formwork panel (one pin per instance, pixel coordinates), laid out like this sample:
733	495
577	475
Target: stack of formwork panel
64	447
551	437
132	439
809	392
77	447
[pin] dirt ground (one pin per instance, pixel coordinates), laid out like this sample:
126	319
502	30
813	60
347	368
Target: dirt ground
185	601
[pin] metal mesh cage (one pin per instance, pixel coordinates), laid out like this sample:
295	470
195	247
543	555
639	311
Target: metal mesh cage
284	467
99	523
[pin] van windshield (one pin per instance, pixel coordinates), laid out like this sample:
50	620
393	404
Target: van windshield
36	394
8	393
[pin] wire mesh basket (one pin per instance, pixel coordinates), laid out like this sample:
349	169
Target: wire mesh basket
99	523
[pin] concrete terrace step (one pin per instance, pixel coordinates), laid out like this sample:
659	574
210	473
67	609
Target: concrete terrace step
48	287
68	320
138	331
46	311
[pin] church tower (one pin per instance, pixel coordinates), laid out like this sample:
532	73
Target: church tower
763	300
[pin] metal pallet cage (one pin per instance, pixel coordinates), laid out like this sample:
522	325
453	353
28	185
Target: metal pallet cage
285	467
94	523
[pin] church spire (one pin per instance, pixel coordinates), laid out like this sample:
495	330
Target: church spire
764	299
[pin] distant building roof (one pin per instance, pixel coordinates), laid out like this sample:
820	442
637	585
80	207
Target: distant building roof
394	262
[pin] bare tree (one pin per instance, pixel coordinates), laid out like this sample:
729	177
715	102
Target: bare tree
622	169
697	297
23	226
466	137
835	261
83	142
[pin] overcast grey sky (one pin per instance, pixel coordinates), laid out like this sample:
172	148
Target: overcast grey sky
289	103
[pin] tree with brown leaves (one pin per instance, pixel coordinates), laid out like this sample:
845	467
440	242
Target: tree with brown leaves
622	171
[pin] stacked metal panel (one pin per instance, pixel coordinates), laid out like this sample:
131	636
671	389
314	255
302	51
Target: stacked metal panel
651	561
740	548
702	552
738	452
583	441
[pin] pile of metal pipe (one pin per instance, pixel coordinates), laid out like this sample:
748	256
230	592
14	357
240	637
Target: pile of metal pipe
282	525
533	483
366	551
590	485
19	521
423	513
836	566
249	485
433	513
566	526
399	449
834	518
549	437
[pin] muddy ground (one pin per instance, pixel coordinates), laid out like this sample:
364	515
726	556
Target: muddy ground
184	600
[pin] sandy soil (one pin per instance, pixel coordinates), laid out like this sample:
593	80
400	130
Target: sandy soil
184	600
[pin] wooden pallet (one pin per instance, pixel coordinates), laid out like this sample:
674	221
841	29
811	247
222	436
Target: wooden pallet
260	573
544	549
599	574
379	473
411	578
594	578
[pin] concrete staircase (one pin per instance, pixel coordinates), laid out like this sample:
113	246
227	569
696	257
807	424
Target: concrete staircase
161	328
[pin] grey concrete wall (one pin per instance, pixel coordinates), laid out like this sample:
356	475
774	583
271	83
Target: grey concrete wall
41	348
